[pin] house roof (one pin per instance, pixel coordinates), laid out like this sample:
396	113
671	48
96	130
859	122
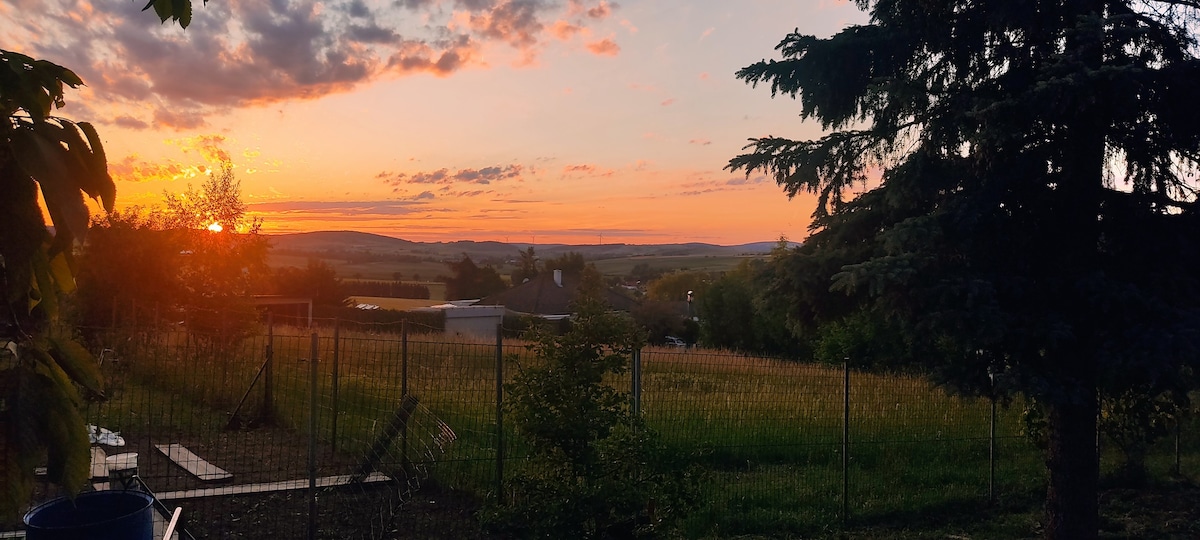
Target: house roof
542	296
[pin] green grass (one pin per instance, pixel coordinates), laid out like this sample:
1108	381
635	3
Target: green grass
767	434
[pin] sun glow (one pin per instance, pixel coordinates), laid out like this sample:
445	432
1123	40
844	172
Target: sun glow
215	227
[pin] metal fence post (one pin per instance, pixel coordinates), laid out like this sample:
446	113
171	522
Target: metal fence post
404	357
268	395
404	389
636	384
312	440
1178	422
992	455
499	414
333	397
845	441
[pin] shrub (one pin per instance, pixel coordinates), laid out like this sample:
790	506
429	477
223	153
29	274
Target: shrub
595	470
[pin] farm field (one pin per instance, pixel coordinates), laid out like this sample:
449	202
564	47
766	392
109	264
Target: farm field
668	263
371	270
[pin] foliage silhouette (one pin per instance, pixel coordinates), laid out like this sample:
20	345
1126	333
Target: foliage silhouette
1033	229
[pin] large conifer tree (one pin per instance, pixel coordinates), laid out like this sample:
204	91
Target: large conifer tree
1035	224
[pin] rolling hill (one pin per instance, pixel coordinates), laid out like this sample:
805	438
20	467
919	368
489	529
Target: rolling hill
372	256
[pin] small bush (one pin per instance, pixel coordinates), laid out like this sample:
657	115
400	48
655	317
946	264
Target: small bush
595	470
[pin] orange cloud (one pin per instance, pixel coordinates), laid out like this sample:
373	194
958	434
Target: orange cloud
418	57
134	169
564	30
586	169
511	21
604	47
210	147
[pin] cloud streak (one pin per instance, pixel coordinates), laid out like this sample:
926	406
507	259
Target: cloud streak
447	177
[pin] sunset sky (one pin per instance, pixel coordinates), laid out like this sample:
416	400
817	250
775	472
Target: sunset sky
543	121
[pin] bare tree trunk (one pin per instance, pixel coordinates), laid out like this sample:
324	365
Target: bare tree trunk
1072	506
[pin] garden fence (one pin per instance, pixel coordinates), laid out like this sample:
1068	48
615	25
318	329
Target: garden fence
333	431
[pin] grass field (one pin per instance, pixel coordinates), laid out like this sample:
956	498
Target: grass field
372	270
766	433
715	263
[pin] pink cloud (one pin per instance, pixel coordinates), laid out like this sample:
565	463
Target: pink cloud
564	30
259	52
485	175
604	47
601	11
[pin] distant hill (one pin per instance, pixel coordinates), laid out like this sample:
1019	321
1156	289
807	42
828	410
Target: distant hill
359	255
333	243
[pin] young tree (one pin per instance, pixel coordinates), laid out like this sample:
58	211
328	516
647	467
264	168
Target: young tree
596	470
129	259
39	374
472	281
1035	221
217	206
675	286
570	262
317	280
527	267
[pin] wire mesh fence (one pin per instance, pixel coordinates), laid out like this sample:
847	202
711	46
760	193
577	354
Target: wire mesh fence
328	432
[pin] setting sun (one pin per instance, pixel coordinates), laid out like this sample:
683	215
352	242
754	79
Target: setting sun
215	227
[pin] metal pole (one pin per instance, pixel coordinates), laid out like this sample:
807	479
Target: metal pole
499	415
404	357
312	440
337	346
1178	421
268	396
404	389
636	390
845	441
992	455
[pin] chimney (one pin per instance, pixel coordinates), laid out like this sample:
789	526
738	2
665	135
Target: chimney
558	277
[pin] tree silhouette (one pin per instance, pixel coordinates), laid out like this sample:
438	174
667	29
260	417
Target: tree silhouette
1035	220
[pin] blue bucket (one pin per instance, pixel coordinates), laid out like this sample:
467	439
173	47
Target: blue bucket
96	515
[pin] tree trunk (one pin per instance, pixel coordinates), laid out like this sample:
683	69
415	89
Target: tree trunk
1072	506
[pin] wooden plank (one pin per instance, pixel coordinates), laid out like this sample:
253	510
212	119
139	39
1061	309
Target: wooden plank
193	464
268	487
99	465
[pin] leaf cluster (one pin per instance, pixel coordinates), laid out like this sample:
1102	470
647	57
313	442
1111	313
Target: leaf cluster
39	376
